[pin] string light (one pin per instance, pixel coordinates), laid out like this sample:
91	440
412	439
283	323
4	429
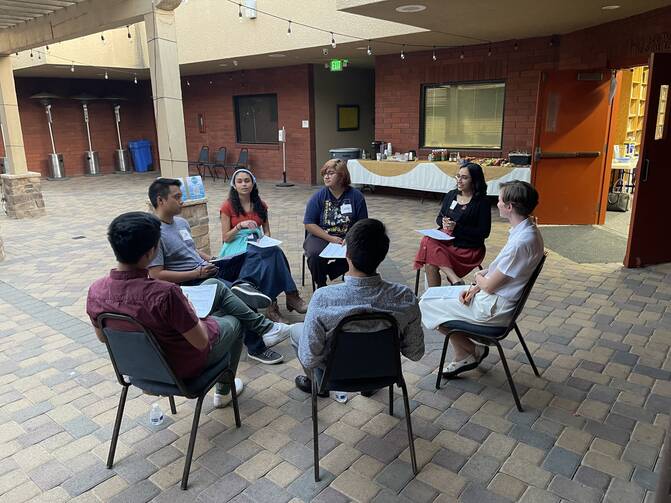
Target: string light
188	83
369	50
135	79
516	46
47	48
31	53
128	31
72	67
433	55
489	51
235	62
240	12
403	52
289	28
102	37
106	76
333	42
461	55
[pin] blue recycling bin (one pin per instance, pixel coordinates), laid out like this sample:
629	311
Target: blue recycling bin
141	152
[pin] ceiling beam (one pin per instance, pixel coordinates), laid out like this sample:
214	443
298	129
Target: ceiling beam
84	18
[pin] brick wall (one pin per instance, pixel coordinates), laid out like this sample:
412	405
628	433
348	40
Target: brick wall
137	121
212	96
614	45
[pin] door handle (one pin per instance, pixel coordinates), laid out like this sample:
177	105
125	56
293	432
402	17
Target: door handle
567	155
644	171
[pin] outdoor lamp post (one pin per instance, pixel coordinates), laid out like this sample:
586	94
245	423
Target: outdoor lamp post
55	160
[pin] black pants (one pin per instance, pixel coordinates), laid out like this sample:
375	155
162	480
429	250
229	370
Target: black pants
319	267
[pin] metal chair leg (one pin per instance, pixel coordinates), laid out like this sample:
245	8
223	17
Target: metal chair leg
303	272
526	349
315	428
192	442
417	281
442	361
509	376
391	400
408	420
234	400
173	408
117	426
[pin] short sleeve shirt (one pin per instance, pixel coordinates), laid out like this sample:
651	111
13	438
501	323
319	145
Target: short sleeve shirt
158	305
335	214
177	250
518	259
227	209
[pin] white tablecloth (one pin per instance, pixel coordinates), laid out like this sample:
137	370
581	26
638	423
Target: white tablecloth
428	177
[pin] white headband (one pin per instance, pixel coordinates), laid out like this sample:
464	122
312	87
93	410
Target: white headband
242	170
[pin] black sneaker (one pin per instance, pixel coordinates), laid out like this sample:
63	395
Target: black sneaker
269	357
251	296
304	384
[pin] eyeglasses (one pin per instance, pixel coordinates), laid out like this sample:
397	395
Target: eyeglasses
462	177
330	174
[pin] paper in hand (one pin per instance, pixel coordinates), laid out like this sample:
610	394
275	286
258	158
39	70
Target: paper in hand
435	234
333	250
202	298
444	292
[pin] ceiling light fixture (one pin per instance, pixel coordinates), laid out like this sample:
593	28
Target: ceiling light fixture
277	55
411	8
610	7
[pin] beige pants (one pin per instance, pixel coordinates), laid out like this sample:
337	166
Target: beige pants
484	309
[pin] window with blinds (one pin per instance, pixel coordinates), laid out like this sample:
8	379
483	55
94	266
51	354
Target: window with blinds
463	115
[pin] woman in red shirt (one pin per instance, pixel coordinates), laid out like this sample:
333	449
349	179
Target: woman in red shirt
267	268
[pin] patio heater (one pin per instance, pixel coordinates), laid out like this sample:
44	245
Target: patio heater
121	162
55	160
91	158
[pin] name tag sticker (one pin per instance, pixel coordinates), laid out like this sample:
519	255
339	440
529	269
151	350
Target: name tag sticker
185	235
346	209
453	205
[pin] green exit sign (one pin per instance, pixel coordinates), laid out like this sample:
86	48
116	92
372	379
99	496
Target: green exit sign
337	65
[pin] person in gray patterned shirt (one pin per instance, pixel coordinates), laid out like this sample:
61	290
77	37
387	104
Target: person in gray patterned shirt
363	291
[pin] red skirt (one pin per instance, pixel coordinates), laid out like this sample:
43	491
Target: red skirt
444	254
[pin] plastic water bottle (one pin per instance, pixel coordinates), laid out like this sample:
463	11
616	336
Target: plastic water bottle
155	415
340	396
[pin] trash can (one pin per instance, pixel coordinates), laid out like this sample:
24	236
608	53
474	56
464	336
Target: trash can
345	153
141	152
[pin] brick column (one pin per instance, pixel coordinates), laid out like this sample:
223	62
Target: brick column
195	212
23	195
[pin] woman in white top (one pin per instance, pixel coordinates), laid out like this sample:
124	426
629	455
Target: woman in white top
492	299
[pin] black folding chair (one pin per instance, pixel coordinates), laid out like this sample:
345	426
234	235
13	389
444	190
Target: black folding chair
243	160
136	356
363	361
220	162
203	161
492	335
417	279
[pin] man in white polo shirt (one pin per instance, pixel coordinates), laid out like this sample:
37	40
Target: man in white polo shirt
492	299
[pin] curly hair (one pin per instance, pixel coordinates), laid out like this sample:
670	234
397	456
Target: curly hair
257	205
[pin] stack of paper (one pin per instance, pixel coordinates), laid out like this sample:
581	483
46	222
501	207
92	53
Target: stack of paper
444	292
265	242
435	234
202	298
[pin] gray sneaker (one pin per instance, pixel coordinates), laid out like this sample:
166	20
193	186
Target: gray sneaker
269	357
251	296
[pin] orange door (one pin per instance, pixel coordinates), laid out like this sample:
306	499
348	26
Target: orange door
569	157
648	232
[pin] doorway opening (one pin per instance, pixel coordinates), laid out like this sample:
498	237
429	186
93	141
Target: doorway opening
627	122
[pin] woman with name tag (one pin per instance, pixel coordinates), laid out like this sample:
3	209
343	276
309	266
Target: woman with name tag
267	267
329	214
465	215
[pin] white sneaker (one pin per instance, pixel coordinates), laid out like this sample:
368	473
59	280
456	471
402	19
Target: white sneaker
280	332
224	400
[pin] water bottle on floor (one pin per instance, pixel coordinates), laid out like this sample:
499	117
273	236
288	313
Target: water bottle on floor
340	396
155	415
